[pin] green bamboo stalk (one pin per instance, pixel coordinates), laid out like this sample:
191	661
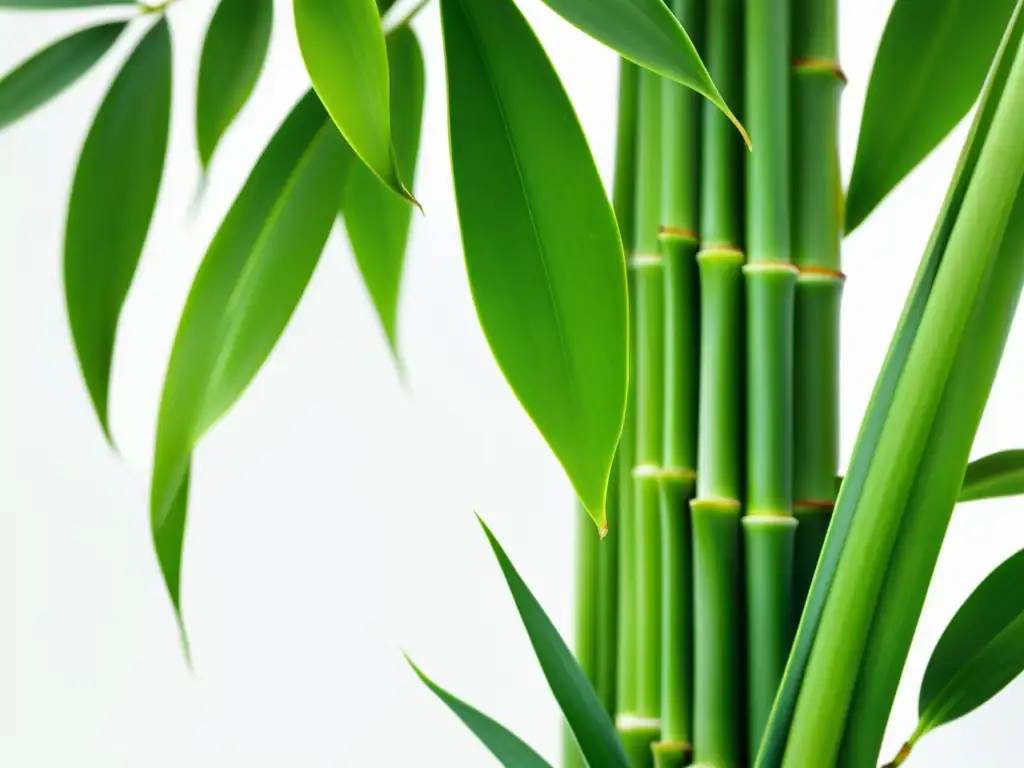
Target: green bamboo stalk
817	203
768	525
606	608
715	513
587	639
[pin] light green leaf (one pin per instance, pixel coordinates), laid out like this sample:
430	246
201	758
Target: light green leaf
233	54
41	5
647	33
511	751
929	69
541	245
245	291
993	476
378	221
42	77
981	651
586	717
112	202
342	43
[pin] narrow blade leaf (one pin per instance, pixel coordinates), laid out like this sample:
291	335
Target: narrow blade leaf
112	201
981	651
378	221
928	72
342	43
49	72
587	718
233	54
245	291
993	476
511	751
541	245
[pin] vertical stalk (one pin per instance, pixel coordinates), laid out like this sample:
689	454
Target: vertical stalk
680	186
817	203
715	512
587	639
768	525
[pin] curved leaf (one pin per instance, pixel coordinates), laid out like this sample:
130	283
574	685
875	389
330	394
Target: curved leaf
33	5
233	54
376	220
342	43
511	751
928	72
587	718
244	293
647	33
981	651
993	476
542	249
42	77
112	202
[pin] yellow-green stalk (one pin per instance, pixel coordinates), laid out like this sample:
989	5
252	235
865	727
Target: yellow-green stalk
587	640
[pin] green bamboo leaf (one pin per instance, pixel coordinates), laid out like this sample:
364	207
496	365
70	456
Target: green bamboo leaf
993	476
40	5
928	72
378	221
586	717
647	33
981	651
245	291
541	245
342	43
46	74
112	202
511	751
233	54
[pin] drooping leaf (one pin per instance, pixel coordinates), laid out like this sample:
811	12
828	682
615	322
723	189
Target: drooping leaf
993	476
112	201
541	245
981	651
233	54
33	5
44	76
587	718
245	291
511	751
928	72
342	43
377	221
647	33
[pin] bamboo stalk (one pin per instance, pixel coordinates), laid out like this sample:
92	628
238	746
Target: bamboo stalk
587	639
817	203
768	525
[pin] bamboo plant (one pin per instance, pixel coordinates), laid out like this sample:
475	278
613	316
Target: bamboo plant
676	344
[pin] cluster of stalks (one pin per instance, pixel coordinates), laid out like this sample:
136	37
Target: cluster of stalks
728	460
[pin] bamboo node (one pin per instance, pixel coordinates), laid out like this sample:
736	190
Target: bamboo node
769	265
813	270
677	473
678	233
816	66
647	470
720	252
639	260
716	503
769	519
812	504
630	722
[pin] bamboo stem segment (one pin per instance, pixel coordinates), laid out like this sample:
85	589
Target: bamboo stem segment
587	640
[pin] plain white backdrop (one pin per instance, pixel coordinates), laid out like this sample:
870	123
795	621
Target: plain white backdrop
332	511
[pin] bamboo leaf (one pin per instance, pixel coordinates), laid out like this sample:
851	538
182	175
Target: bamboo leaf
980	652
342	43
46	74
245	291
234	50
993	476
112	201
542	249
511	751
928	72
586	717
378	221
647	33
42	5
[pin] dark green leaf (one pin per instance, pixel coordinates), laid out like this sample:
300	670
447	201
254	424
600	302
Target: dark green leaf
580	705
647	33
542	249
233	54
928	72
247	287
33	5
47	73
510	750
112	202
342	43
378	221
981	651
1000	474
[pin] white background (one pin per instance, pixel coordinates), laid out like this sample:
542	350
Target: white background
332	512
